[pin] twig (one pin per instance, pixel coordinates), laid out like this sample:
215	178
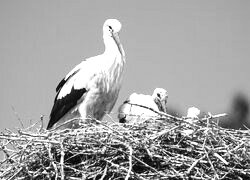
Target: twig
111	118
214	116
52	161
32	134
237	147
211	164
104	172
157	112
163	132
29	139
122	168
130	162
194	164
18	118
62	161
66	122
221	158
119	133
41	128
33	125
17	172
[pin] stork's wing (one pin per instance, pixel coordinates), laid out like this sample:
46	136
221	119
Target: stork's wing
69	75
67	95
74	87
64	104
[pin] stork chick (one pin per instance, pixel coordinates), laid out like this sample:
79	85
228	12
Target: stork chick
139	107
193	112
91	89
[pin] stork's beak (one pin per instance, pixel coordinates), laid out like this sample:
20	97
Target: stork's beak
118	43
164	105
161	103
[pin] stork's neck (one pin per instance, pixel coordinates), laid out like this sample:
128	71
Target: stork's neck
111	48
113	65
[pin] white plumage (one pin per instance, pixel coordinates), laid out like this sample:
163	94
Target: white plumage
193	112
139	107
91	89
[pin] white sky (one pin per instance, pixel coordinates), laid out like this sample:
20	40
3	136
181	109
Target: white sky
197	50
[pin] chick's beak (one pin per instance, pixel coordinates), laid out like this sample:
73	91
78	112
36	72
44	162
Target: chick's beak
164	106
164	103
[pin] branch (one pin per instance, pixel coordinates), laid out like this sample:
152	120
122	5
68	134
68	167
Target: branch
62	161
130	162
158	112
52	161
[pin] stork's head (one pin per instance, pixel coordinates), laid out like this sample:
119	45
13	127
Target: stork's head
111	28
160	97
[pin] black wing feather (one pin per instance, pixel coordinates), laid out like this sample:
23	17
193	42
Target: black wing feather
63	105
64	80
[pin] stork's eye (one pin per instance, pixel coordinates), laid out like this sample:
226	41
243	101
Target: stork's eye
158	95
110	28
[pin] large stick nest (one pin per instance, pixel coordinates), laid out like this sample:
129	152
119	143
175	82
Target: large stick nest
167	148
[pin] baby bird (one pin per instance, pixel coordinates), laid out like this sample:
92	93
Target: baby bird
139	107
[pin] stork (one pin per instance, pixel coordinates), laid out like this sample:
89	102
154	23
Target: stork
193	112
192	115
91	88
139	107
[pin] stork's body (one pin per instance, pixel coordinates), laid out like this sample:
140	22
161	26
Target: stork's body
91	89
139	107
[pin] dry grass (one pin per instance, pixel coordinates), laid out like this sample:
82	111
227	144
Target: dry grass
167	148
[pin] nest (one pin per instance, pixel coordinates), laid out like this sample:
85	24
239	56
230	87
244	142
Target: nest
166	148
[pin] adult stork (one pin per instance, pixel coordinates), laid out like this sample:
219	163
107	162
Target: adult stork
139	107
91	88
